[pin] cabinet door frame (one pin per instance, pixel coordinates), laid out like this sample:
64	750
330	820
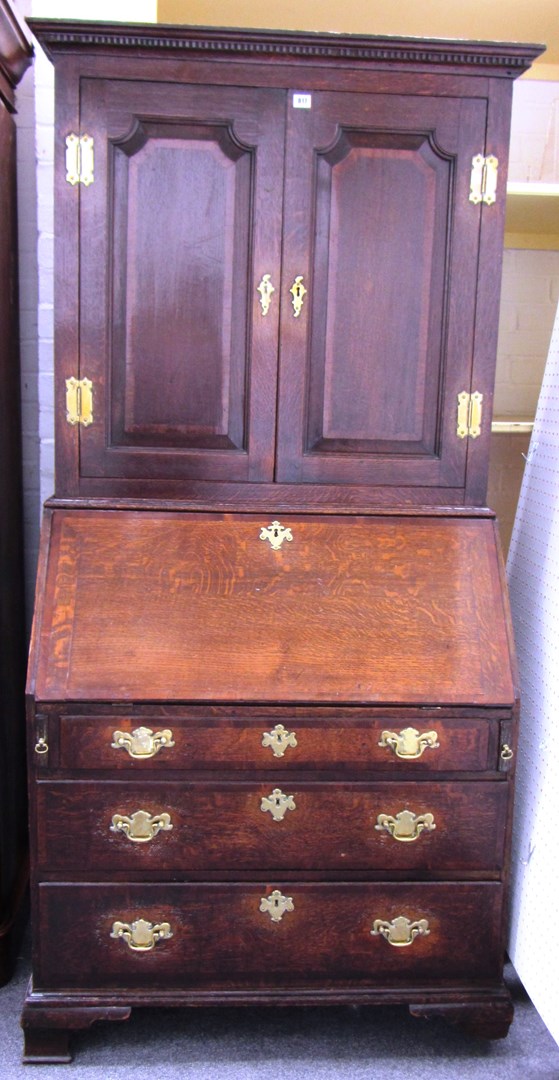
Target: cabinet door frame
91	454
443	461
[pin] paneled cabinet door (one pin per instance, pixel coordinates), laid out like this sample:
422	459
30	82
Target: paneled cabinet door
178	229
380	231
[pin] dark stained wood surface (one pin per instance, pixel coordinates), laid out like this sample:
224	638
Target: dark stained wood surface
328	931
188	210
198	607
222	826
15	57
184	365
180	617
326	740
388	322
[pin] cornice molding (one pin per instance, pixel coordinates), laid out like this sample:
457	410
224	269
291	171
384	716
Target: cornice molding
504	58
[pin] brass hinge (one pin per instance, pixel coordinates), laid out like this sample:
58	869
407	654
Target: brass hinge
79	401
483	181
79	159
469	414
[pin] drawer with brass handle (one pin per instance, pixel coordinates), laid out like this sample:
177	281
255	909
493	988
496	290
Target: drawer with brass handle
205	825
269	934
436	742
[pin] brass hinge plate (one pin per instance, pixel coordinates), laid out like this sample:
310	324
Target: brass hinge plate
79	401
79	159
469	415
483	181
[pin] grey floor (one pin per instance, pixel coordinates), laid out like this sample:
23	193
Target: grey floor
285	1044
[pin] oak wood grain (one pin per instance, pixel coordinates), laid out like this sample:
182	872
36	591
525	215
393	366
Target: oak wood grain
198	607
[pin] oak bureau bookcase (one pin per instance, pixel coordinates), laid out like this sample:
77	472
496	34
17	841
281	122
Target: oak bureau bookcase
272	695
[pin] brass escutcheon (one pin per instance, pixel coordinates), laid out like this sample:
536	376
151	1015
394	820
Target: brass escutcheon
141	826
276	905
276	534
405	826
142	743
265	288
277	804
409	743
400	931
141	935
278	740
298	293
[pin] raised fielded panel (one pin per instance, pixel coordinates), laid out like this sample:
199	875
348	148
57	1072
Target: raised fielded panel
184	370
380	225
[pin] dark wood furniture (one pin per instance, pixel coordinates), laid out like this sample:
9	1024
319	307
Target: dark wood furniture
272	698
15	57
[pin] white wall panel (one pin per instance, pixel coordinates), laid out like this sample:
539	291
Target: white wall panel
533	571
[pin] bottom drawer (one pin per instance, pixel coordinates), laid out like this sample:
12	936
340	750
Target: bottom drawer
268	935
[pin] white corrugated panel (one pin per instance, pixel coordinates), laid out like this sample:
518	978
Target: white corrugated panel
533	571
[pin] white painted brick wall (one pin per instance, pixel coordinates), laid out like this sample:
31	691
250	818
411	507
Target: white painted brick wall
534	149
528	305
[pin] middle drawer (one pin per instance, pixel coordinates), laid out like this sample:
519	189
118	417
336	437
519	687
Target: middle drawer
180	826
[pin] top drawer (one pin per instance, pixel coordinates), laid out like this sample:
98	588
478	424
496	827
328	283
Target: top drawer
272	743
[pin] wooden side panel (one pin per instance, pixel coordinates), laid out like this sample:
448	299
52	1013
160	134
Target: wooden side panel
163	606
174	238
14	58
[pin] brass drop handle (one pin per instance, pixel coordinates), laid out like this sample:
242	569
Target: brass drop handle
279	739
506	752
409	743
400	931
141	935
141	826
405	826
298	293
41	746
265	288
142	743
